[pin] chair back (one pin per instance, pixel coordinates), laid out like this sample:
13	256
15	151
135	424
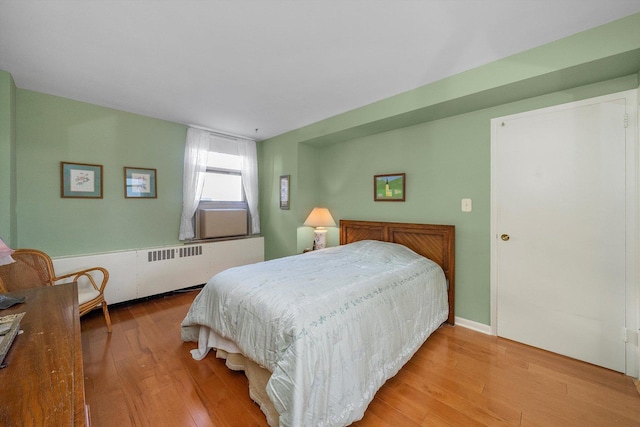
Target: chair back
32	269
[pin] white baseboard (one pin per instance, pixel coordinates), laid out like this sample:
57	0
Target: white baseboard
470	324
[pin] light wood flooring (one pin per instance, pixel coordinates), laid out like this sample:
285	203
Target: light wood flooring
143	375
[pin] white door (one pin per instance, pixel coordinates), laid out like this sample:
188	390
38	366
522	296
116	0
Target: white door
559	194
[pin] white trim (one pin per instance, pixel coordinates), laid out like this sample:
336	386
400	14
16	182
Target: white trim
220	133
475	326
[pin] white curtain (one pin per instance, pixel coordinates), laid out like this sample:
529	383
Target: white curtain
247	149
195	164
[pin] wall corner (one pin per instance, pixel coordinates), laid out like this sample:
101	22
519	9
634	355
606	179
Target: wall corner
8	195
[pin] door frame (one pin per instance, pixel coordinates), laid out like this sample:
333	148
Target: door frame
632	285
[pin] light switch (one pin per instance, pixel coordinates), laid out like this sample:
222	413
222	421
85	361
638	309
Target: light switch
466	205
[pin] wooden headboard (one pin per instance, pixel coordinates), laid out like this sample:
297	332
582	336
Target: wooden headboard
436	242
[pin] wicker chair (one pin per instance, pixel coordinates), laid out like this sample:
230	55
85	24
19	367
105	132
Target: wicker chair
33	268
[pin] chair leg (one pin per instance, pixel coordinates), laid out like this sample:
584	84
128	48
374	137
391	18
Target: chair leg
107	318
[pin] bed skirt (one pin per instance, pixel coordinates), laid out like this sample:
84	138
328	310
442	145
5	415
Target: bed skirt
258	378
226	349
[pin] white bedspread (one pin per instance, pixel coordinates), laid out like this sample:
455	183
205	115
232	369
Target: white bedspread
331	325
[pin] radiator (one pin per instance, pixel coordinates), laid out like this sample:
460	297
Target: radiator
217	223
145	272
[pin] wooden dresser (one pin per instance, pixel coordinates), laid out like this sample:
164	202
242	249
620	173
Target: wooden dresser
43	383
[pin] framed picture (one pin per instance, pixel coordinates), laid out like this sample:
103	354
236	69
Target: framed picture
389	188
140	183
284	191
80	180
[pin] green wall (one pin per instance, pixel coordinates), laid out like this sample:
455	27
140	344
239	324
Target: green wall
445	161
439	135
7	158
51	129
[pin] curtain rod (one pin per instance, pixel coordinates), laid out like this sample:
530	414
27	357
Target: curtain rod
221	134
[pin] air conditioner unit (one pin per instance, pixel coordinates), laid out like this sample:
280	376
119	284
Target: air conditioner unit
217	223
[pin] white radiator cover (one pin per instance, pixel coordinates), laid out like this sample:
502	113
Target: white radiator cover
145	272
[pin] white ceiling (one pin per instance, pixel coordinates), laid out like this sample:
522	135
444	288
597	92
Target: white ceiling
271	65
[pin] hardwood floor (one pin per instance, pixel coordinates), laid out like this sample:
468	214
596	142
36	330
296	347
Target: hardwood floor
143	375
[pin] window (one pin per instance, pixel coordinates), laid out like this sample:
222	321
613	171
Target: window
221	183
222	192
223	178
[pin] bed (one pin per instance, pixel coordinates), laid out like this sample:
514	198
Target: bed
318	334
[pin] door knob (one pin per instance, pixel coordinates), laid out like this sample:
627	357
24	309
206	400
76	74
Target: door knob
505	237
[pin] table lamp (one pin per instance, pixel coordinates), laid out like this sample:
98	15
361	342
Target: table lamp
5	254
320	218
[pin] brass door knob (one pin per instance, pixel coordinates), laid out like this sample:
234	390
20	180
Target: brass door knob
505	237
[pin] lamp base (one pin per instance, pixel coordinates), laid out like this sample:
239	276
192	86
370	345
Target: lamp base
320	240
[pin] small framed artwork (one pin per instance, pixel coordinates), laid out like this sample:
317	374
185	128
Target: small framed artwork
389	188
284	191
140	183
80	180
